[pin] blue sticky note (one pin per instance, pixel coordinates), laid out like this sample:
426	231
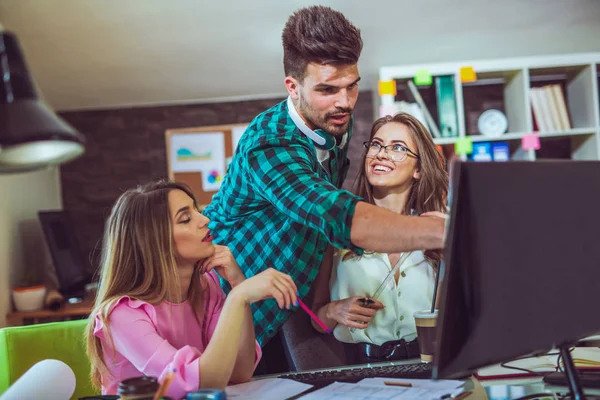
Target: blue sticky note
482	151
500	151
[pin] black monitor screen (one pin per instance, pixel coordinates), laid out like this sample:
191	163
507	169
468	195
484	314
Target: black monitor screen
59	235
70	265
522	262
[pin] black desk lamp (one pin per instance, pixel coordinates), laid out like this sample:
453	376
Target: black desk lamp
32	136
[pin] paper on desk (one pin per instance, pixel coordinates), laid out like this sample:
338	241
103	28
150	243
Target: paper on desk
416	383
361	391
267	389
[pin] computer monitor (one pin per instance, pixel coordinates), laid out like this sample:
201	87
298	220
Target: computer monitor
70	265
522	262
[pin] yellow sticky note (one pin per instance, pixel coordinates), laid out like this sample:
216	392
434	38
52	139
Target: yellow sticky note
423	77
463	145
387	87
467	74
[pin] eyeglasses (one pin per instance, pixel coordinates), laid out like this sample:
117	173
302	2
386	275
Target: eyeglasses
396	151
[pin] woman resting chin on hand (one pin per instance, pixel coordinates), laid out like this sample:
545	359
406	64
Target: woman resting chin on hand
160	308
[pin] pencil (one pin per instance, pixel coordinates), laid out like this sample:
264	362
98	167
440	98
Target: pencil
164	386
462	395
313	316
392	383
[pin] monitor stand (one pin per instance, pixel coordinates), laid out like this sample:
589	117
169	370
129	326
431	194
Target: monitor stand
571	373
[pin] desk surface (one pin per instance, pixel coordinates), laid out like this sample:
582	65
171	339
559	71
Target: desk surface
491	389
478	391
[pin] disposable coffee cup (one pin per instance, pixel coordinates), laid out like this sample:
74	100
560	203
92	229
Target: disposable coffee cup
426	322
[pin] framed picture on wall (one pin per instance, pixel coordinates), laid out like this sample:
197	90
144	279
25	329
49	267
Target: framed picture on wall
199	156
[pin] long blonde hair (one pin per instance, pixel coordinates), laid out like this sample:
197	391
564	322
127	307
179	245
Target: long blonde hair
138	260
429	193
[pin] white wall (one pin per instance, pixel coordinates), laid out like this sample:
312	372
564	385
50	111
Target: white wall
21	240
111	53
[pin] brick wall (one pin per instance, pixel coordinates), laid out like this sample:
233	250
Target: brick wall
126	147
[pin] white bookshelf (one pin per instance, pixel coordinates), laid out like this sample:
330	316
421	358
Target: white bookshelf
579	73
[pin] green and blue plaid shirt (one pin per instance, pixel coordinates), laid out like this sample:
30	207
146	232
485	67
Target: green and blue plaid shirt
277	207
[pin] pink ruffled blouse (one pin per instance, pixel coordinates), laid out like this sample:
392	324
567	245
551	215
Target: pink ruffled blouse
152	340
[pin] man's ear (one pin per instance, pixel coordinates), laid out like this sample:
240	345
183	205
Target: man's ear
292	86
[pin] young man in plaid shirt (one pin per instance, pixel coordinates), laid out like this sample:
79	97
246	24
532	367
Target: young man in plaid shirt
280	204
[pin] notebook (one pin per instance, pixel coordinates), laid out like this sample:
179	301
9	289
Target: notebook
583	357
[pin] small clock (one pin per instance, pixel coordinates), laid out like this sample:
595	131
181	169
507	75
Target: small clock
492	123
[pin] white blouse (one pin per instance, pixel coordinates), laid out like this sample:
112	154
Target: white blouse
361	276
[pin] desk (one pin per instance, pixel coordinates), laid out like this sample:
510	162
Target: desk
66	312
478	391
492	389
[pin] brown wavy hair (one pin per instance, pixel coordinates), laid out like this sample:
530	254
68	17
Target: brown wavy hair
430	191
138	260
318	34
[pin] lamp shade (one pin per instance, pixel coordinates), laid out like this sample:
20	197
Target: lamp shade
32	136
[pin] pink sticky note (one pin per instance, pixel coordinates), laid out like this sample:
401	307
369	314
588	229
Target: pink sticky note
386	110
530	142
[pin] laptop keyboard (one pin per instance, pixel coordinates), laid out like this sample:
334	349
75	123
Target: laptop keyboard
323	378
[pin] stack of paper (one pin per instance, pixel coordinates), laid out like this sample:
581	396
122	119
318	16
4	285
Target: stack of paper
371	389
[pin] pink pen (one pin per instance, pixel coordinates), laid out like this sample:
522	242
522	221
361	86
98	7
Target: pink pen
313	316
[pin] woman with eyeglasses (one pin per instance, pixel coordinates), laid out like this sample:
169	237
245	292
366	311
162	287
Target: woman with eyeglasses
402	172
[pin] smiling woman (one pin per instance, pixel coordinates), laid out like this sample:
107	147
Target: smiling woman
160	309
404	173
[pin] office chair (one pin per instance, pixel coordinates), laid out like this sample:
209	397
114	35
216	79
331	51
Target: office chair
23	346
306	348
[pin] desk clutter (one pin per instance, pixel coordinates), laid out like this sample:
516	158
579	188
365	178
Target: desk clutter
369	388
55	380
584	358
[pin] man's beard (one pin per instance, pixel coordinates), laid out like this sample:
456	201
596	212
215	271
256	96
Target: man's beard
321	122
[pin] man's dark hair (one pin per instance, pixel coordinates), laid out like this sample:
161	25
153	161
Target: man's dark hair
318	34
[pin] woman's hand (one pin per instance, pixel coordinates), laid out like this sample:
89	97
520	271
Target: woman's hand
269	284
223	262
353	312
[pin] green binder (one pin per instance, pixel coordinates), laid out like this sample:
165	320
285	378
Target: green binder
446	102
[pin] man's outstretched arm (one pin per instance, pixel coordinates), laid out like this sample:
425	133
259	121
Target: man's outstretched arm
377	229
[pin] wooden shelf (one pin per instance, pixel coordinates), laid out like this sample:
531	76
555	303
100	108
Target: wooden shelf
82	309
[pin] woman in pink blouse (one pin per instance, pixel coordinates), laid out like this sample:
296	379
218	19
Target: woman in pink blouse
160	308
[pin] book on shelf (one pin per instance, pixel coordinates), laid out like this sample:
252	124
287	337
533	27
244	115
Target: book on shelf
541	112
549	108
555	119
446	102
583	358
559	101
